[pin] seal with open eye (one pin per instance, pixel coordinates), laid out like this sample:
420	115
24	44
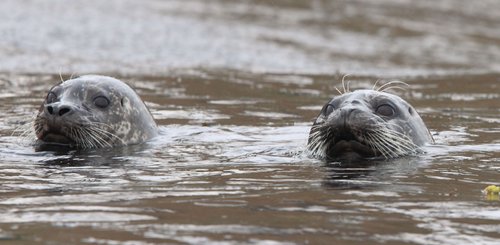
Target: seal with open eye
93	112
367	124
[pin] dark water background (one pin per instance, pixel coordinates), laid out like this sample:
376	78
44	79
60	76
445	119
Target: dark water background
235	86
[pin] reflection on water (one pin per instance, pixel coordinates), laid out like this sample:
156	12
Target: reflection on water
230	165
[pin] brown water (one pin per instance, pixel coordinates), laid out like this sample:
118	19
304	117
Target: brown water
235	86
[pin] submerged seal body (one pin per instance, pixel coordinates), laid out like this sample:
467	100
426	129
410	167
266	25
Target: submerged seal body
93	112
367	124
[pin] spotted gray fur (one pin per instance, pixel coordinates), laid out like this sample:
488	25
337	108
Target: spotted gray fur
73	114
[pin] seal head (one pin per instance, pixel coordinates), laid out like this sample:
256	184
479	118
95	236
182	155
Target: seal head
367	124
94	112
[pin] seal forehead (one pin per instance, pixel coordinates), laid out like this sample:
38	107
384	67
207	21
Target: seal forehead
85	86
370	97
80	92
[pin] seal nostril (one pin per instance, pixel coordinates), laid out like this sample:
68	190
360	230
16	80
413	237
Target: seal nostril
50	110
63	111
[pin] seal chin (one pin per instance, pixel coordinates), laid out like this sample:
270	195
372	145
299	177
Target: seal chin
56	138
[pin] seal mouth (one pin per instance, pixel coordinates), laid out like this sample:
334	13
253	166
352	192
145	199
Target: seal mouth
55	135
347	142
52	137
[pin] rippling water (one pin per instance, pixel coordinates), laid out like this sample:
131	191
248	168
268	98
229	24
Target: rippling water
229	167
235	86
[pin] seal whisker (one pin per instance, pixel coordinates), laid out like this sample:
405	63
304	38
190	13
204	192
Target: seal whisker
315	140
393	141
318	141
390	143
60	76
83	139
26	132
400	137
393	135
73	133
381	145
393	148
390	84
78	137
99	135
106	133
86	138
346	89
399	143
375	85
89	138
91	135
367	139
72	75
94	139
374	142
392	87
340	92
343	83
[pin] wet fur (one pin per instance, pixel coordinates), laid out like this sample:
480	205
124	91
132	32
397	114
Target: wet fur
377	137
125	121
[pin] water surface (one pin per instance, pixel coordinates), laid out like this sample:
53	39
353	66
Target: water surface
235	86
229	166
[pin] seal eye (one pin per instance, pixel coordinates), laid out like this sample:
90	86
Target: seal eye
51	98
101	102
386	110
327	109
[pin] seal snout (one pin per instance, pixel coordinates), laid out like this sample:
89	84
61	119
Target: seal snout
58	109
345	115
53	124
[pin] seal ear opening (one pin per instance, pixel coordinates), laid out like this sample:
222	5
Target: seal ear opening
124	101
410	110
